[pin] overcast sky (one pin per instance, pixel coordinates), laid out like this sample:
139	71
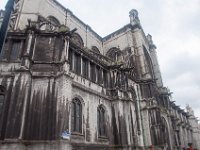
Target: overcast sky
175	27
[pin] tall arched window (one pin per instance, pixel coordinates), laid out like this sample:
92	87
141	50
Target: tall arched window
101	121
147	62
158	129
76	117
2	98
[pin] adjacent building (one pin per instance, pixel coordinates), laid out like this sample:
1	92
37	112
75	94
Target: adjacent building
62	86
1	16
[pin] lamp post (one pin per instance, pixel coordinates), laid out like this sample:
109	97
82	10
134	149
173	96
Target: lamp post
5	23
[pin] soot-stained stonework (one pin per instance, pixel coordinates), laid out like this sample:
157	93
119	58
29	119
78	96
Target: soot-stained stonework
51	58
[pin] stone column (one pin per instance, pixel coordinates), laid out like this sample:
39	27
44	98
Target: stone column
140	131
89	75
81	64
25	66
66	49
26	57
27	93
65	57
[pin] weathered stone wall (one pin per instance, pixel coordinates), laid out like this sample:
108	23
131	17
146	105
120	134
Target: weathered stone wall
41	81
31	10
120	115
121	39
43	98
24	145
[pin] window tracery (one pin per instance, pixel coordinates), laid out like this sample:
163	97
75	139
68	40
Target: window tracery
114	53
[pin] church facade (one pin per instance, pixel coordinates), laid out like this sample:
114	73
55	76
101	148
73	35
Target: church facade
62	86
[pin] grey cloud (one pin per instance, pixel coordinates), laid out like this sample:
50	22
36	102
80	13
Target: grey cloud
180	64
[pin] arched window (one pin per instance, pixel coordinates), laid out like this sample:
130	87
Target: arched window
76	116
54	21
158	129
2	98
147	62
101	121
50	23
77	40
164	132
95	49
114	53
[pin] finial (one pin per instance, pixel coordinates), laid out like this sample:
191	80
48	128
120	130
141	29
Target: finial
134	20
150	41
133	12
149	38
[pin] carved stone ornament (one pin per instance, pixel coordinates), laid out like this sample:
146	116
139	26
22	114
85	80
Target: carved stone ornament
48	24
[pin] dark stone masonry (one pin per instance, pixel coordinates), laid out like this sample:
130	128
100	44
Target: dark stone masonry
64	87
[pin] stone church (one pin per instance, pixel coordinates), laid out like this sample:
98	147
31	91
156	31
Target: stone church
64	87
